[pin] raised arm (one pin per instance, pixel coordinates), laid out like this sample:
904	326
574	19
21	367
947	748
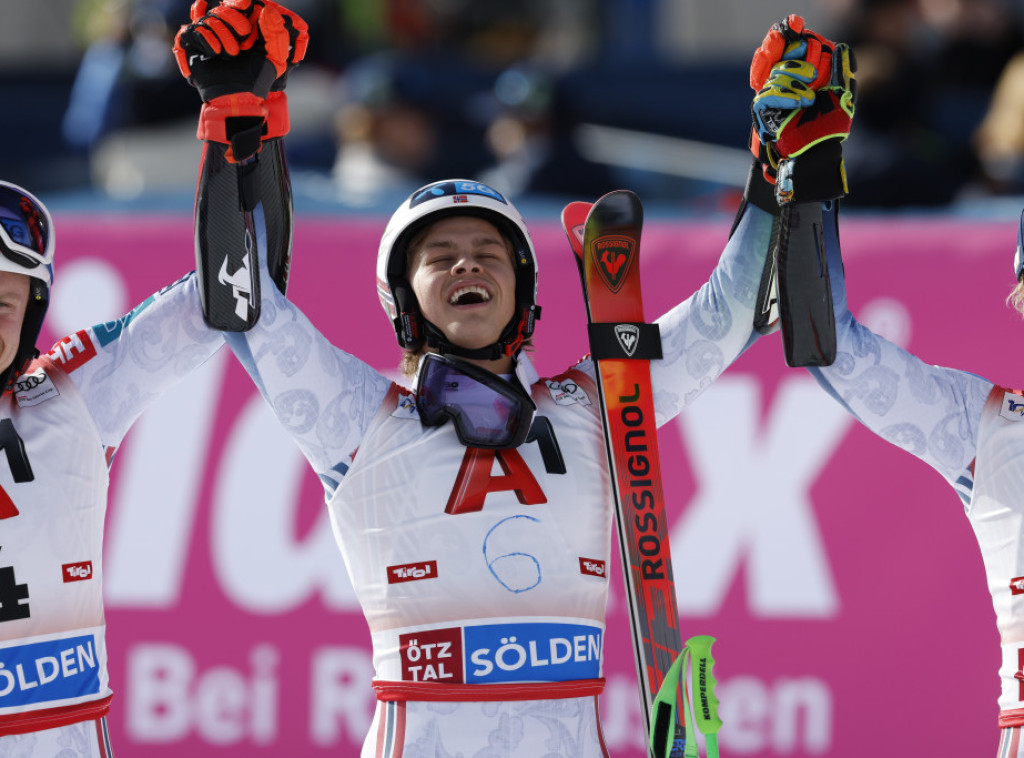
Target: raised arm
705	333
323	397
929	411
238	56
120	367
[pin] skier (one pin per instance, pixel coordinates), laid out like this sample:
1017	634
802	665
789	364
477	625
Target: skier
962	425
967	429
484	592
62	417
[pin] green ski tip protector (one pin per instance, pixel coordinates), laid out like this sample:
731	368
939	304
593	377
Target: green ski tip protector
663	712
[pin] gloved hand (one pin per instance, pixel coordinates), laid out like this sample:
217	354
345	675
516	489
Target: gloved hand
238	55
804	106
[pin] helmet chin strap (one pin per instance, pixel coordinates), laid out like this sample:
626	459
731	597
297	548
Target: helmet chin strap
436	338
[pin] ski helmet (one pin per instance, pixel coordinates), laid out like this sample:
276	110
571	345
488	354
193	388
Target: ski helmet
454	197
26	247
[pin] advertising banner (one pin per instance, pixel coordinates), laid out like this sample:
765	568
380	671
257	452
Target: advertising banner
837	573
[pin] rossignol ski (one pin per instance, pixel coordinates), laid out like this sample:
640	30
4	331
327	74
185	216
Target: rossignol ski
605	238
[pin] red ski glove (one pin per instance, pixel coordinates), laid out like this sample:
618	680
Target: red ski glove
804	106
238	55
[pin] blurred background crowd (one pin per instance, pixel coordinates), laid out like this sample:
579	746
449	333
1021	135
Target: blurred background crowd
540	98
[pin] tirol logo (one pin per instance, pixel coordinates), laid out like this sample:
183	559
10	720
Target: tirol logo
592	567
628	336
1017	585
410	572
614	256
77	572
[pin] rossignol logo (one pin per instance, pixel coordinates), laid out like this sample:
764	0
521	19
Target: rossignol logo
1017	585
639	491
410	572
77	572
592	567
1013	407
628	336
614	256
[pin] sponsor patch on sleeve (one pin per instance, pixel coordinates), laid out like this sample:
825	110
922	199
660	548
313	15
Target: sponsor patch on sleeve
73	351
1013	406
32	389
406	407
566	392
111	330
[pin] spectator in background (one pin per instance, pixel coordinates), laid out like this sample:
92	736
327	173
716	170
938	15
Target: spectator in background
420	108
127	75
925	71
531	138
386	131
999	140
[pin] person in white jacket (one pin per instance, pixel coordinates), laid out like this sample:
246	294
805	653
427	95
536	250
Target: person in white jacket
472	504
63	415
968	429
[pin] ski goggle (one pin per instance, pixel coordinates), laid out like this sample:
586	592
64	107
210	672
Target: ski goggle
487	411
25	234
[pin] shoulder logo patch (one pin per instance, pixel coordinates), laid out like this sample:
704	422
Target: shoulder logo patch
566	392
32	389
406	407
1013	407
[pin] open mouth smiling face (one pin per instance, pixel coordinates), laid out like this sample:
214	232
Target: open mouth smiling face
472	294
462	273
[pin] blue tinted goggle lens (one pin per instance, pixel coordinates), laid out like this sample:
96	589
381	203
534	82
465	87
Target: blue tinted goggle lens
487	411
24	233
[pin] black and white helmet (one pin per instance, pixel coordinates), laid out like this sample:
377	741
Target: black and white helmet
26	247
453	197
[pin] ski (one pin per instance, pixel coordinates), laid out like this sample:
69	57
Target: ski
605	238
